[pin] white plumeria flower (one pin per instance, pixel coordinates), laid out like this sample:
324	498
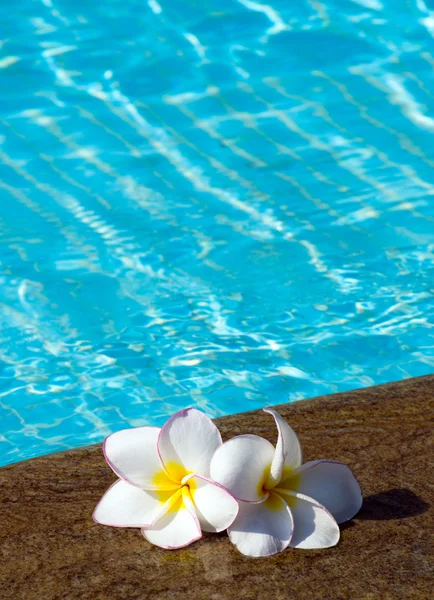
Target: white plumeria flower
164	486
282	502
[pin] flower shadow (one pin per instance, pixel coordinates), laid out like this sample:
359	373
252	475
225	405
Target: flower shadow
398	503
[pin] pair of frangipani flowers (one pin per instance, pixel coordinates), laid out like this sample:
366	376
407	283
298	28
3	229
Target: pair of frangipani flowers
180	480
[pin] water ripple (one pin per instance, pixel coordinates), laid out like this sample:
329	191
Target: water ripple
226	205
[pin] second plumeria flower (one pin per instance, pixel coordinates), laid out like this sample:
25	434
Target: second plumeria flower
282	502
164	486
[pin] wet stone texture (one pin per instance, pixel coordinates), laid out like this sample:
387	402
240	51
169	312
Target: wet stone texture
50	549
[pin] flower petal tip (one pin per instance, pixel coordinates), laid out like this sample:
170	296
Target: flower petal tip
184	544
332	484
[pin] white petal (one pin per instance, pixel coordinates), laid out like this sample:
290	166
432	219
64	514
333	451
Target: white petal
333	485
216	508
262	529
133	456
314	526
242	465
125	505
188	441
288	449
177	528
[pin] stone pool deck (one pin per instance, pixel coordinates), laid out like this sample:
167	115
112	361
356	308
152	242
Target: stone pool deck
50	548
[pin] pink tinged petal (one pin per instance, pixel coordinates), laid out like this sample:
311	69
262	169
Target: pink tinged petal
177	528
314	526
216	508
242	466
333	485
133	456
288	449
189	439
125	505
262	529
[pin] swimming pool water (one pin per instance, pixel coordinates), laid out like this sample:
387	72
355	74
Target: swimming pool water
219	204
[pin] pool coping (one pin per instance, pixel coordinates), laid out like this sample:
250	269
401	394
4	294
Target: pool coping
51	548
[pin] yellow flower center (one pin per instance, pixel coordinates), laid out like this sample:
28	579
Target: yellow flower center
172	483
289	482
289	479
262	487
273	502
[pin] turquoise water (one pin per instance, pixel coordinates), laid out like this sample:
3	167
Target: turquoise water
219	204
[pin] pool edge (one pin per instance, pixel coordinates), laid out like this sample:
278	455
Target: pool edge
52	548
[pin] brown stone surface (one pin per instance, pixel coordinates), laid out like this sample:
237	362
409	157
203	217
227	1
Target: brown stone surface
50	548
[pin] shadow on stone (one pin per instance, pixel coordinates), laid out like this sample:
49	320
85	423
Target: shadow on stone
398	503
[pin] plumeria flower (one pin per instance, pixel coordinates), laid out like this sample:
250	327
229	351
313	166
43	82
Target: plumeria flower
282	502
164	486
